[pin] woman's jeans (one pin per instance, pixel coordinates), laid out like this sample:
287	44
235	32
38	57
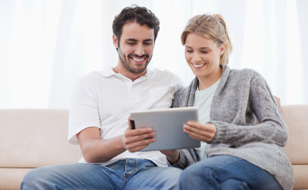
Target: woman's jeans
123	174
226	173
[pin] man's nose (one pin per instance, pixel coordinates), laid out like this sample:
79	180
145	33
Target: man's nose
139	50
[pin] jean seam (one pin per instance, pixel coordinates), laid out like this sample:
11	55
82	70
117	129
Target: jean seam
126	176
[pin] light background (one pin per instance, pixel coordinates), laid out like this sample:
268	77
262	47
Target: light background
45	45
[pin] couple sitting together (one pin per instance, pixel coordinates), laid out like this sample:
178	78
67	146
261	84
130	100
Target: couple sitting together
236	152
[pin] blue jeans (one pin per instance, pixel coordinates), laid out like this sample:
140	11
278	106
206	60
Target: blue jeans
123	174
227	173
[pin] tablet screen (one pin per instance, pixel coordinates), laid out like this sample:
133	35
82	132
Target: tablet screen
168	124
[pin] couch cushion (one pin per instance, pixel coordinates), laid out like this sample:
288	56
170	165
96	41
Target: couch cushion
300	176
10	178
296	118
35	137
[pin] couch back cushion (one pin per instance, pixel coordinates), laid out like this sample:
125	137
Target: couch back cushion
296	119
38	137
35	137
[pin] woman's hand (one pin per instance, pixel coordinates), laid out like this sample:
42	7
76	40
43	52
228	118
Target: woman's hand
201	132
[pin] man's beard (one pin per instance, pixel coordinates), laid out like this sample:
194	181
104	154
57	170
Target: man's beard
126	62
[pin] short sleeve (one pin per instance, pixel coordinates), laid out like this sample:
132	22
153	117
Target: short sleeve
83	110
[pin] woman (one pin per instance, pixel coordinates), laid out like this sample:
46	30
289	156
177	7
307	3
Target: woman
240	154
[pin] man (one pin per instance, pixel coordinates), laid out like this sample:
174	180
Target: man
99	113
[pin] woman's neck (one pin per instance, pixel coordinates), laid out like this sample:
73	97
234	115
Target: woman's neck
207	81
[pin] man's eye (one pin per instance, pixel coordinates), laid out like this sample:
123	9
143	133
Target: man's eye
147	43
204	51
131	43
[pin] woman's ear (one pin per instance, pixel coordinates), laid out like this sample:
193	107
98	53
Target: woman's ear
221	49
115	41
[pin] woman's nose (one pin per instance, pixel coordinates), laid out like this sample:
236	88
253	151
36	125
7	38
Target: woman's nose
196	58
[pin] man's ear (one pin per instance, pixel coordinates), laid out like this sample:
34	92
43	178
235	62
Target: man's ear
115	41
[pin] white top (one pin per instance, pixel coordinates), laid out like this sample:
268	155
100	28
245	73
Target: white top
203	100
105	99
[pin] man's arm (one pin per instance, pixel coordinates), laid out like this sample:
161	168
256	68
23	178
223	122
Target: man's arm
173	156
94	149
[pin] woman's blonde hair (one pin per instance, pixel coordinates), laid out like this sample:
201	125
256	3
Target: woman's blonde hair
212	27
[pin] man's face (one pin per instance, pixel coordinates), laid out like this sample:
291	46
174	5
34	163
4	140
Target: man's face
135	48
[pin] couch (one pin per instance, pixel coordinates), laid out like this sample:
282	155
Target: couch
31	138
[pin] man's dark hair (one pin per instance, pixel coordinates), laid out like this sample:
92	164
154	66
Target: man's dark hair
141	15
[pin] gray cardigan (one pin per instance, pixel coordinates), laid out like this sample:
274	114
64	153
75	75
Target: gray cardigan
241	98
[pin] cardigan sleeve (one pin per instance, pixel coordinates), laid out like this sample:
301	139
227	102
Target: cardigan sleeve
270	129
177	99
187	158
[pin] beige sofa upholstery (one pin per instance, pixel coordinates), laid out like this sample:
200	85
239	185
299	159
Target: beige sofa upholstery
296	118
30	138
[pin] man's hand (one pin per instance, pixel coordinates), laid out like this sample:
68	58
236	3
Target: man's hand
137	139
201	132
172	155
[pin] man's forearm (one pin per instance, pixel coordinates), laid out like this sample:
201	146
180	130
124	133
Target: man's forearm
99	150
172	155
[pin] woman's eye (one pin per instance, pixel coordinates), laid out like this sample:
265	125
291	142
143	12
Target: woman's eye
189	51
204	51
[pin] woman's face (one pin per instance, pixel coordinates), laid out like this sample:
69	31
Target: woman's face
203	55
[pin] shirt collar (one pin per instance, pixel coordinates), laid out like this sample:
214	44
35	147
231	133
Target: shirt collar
108	71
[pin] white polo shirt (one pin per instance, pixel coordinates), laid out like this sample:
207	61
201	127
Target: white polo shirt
104	99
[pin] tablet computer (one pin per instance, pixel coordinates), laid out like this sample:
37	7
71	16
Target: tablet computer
168	124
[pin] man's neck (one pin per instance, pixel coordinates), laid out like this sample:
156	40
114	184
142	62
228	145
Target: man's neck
128	74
